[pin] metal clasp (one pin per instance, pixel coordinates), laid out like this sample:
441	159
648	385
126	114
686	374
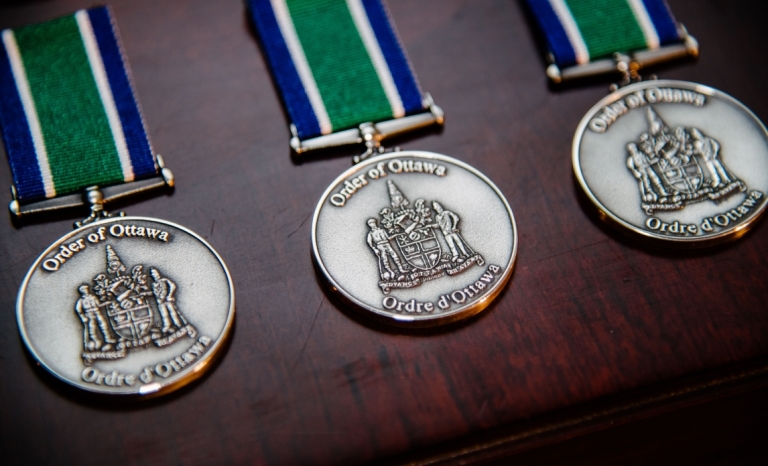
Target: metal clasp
95	197
371	134
623	63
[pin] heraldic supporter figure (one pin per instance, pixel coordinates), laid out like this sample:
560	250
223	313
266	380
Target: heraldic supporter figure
122	312
418	254
677	168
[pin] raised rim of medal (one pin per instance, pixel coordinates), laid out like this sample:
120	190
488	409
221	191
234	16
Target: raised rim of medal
413	321
633	231
192	374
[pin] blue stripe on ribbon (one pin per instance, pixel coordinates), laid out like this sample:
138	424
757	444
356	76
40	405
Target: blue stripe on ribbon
283	69
663	21
401	70
18	137
554	33
127	107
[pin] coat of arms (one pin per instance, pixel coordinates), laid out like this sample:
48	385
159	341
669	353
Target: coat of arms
123	311
678	167
429	245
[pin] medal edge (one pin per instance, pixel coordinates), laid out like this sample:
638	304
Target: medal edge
633	231
193	373
415	321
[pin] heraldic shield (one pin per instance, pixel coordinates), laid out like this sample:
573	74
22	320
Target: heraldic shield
674	168
429	244
122	311
419	247
685	178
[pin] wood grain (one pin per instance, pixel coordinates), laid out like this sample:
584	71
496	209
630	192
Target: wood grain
590	321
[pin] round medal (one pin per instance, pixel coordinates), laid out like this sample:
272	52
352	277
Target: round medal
127	305
674	162
414	238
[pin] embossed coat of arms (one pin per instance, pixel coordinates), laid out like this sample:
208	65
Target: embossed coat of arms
427	242
122	311
674	168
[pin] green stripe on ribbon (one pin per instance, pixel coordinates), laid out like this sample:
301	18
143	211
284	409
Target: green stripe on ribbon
321	25
74	123
607	26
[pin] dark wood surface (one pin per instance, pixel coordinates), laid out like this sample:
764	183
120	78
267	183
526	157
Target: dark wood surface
593	329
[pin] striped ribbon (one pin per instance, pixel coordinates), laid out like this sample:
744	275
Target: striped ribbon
68	112
579	31
337	63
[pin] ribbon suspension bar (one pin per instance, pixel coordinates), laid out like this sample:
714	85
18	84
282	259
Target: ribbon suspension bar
591	37
69	115
338	65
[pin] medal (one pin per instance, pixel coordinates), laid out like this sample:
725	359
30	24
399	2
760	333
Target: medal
121	305
676	163
408	238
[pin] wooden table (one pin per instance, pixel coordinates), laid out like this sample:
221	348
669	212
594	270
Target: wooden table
594	330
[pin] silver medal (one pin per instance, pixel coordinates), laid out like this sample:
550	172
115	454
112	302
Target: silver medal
675	162
127	305
414	238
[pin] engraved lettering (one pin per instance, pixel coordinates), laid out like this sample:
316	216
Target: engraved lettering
722	220
597	125
338	200
395	166
197	349
443	302
90	374
146	375
117	230
458	297
51	265
380	168
163	369
653	95
65	252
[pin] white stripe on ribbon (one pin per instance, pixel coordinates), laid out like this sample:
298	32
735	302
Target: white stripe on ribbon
571	30
22	85
105	92
363	24
288	30
644	20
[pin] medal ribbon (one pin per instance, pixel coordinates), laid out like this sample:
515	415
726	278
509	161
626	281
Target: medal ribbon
68	112
337	63
580	31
